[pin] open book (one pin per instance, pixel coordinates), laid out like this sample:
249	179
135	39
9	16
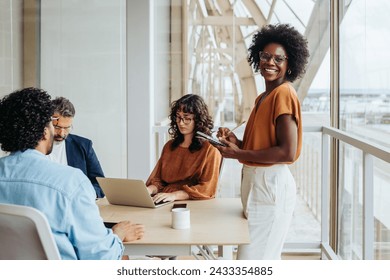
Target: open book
209	138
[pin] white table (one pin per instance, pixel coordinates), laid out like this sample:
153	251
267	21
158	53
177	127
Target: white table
218	221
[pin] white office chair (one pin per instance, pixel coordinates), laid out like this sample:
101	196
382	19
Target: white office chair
25	234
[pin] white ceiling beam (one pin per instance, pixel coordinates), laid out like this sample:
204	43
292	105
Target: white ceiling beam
255	12
202	7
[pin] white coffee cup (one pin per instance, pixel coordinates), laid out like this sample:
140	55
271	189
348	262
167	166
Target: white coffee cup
181	218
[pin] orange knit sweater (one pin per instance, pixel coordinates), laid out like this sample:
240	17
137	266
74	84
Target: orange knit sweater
195	173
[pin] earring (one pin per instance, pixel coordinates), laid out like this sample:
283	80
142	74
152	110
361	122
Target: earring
289	71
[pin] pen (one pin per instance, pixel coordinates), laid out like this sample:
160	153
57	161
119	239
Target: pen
237	126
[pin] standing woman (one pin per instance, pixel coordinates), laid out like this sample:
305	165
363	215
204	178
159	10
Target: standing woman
189	166
272	140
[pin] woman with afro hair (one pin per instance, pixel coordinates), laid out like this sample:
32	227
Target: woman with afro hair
189	166
272	140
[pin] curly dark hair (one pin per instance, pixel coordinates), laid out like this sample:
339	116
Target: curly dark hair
24	114
191	104
292	41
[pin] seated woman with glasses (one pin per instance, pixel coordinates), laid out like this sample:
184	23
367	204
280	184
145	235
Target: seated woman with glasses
188	167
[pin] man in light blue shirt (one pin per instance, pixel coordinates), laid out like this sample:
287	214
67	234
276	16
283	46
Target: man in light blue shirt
64	194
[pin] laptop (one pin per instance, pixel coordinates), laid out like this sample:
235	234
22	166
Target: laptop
129	192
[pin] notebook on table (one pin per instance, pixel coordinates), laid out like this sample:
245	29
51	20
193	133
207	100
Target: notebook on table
129	192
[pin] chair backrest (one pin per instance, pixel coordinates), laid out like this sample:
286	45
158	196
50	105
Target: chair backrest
25	234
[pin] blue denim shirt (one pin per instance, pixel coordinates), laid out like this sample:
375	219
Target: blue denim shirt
65	195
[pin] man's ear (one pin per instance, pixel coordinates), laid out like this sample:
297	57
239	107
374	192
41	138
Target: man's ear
45	133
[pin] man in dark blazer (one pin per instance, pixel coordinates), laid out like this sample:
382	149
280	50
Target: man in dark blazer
73	150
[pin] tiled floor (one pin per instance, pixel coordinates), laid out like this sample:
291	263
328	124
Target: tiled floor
304	226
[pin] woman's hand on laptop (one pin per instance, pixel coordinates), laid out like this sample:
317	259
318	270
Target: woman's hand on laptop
177	195
164	197
128	231
152	189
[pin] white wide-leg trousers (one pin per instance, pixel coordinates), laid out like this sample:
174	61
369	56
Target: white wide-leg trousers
268	197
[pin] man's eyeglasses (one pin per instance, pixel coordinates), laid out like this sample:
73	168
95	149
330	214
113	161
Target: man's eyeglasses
278	59
57	127
66	129
184	119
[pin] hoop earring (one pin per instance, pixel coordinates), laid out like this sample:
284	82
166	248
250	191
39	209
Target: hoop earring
289	71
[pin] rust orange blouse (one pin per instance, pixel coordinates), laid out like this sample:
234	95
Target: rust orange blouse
260	131
195	173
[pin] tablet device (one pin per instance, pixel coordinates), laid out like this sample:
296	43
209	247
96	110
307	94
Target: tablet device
209	138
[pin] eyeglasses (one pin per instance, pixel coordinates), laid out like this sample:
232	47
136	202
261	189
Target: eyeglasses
278	59
57	127
184	119
66	129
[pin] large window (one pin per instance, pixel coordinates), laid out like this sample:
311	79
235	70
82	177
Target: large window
365	70
364	112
